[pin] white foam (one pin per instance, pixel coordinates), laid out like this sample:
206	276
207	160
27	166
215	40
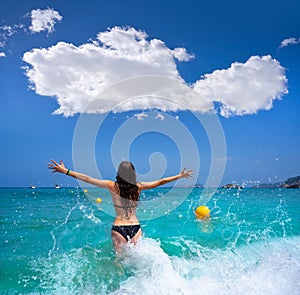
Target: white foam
272	269
79	272
153	271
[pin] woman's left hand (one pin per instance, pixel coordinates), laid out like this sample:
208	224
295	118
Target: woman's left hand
186	173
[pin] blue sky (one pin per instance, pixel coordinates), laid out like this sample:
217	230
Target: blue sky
239	60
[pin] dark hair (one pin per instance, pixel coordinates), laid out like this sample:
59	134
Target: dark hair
126	186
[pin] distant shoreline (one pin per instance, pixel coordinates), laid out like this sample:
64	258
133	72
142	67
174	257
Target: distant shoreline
165	187
292	182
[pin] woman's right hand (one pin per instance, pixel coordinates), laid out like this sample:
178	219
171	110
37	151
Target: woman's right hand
57	167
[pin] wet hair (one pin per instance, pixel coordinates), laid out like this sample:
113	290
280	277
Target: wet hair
126	186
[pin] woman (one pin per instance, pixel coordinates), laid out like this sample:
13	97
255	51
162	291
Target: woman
125	192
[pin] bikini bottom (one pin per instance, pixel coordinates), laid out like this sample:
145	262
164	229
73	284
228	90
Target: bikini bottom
127	231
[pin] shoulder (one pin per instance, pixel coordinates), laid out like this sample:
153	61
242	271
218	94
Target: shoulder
148	185
139	185
110	184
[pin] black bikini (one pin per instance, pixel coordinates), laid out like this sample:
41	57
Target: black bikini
127	231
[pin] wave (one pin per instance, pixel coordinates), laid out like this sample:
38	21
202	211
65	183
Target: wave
259	268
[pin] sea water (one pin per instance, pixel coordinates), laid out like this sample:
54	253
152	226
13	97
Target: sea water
57	241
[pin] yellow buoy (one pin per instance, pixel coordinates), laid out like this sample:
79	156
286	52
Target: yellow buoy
202	212
85	190
98	200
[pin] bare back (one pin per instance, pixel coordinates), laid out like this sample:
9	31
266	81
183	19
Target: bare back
124	216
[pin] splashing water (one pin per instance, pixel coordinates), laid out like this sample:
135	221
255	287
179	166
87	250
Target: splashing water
251	245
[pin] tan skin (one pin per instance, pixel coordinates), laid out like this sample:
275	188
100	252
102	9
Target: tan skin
121	217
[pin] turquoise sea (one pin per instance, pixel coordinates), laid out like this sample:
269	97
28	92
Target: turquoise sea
57	241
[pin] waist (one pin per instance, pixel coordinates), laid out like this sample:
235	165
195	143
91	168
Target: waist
124	221
126	226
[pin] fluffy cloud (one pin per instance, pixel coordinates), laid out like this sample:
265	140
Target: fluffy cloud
245	88
2	54
44	20
289	41
79	76
76	75
182	55
41	20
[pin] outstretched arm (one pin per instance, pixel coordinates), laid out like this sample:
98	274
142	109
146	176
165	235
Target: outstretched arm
60	168
148	185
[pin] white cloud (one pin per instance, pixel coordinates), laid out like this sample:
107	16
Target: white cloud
182	55
289	41
44	20
245	88
7	31
2	54
41	20
141	116
160	116
76	75
79	76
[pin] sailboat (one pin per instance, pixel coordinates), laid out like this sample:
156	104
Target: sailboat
56	185
31	184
